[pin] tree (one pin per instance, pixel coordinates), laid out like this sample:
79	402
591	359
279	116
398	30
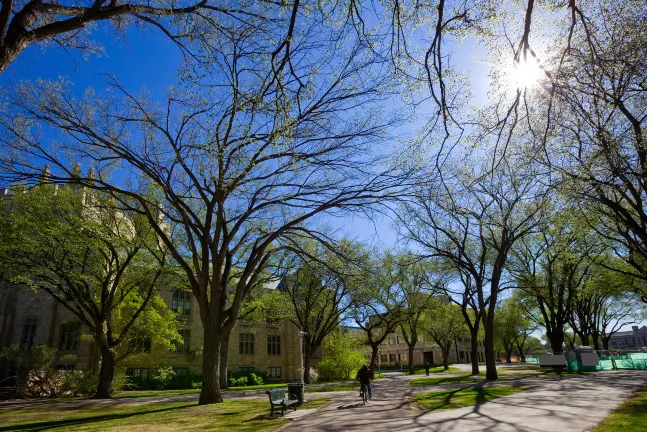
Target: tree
418	285
471	220
242	165
613	304
41	22
600	153
468	302
512	328
378	306
444	324
343	355
320	292
550	268
102	264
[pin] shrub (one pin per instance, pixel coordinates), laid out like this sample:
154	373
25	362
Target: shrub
314	375
344	357
163	377
196	385
253	379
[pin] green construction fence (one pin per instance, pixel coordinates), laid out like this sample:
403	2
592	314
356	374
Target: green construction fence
633	361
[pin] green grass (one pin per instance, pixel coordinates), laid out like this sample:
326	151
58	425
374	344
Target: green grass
436	370
245	416
462	397
631	416
163	393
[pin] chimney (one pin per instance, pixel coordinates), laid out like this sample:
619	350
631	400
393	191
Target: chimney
634	328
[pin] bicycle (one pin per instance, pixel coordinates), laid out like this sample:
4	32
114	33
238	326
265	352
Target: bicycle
363	393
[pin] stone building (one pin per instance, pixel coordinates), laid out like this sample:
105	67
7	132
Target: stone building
634	339
394	352
32	318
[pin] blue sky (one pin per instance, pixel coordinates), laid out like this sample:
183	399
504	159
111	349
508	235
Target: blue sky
147	59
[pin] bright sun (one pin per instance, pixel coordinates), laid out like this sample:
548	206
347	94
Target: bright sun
525	73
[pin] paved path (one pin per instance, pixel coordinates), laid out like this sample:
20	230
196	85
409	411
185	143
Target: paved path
572	404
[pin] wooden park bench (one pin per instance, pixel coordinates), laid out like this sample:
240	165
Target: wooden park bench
277	398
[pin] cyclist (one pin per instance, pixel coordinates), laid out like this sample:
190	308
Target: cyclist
365	375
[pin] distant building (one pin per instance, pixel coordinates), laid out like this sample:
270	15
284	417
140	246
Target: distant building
628	340
395	352
31	318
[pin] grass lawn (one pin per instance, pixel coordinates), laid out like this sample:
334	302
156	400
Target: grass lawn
324	387
438	369
240	415
160	393
462	397
631	416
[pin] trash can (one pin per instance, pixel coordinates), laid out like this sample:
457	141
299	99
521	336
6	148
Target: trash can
295	390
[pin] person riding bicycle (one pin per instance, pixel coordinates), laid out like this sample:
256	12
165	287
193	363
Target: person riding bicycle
365	375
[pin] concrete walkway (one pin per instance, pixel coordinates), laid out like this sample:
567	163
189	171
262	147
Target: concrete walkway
572	403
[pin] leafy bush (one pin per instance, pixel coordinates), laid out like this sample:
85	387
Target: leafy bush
196	385
163	376
344	357
314	375
327	369
253	379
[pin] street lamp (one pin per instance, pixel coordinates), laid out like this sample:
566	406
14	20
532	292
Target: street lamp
301	335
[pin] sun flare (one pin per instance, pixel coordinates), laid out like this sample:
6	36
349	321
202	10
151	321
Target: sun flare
525	73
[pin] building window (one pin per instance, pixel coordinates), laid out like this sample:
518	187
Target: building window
181	302
70	335
140	344
391	357
184	345
246	370
137	373
274	345
29	333
245	343
384	358
274	372
181	371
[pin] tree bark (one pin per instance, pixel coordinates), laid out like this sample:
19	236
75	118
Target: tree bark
446	357
224	362
556	339
475	350
488	342
374	349
106	373
211	392
411	368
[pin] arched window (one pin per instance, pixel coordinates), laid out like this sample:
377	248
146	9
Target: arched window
181	302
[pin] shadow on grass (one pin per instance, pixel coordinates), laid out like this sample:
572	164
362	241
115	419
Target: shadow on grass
45	425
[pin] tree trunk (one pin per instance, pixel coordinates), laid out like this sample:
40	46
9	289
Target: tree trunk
475	351
596	340
224	362
446	357
210	392
522	356
605	342
585	339
107	372
490	360
307	359
508	356
556	340
374	349
411	368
